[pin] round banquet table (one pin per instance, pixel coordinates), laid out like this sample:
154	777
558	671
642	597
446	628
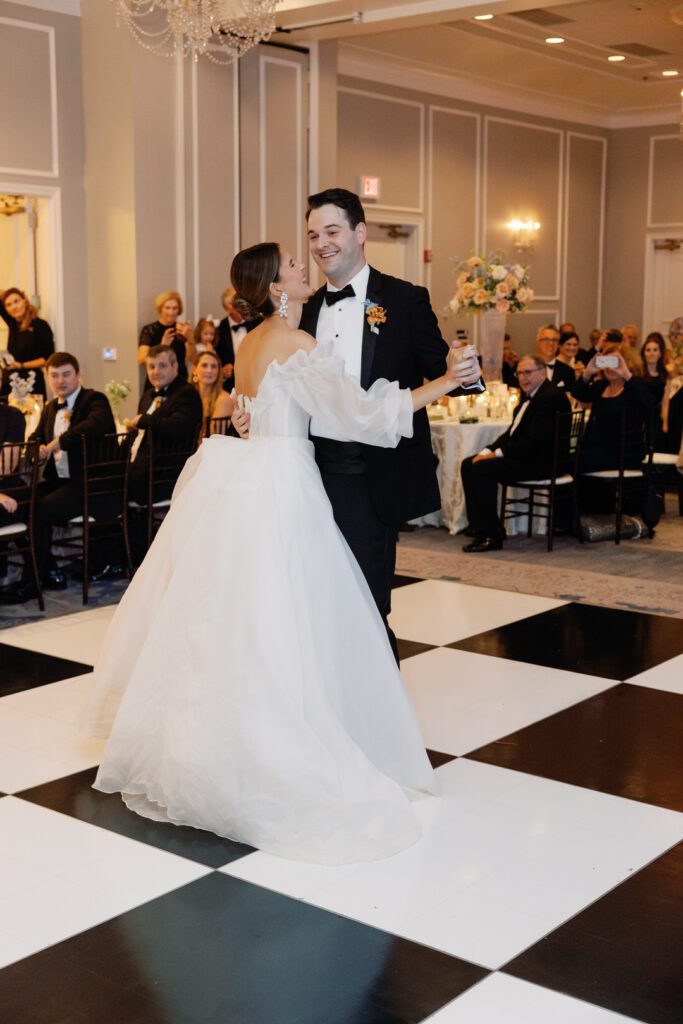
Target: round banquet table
452	442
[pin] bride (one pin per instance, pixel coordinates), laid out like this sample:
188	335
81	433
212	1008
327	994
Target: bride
246	683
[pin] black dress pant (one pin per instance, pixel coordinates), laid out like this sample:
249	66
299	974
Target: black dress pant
372	542
58	501
480	481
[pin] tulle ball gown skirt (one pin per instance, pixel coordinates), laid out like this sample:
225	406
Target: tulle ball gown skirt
246	683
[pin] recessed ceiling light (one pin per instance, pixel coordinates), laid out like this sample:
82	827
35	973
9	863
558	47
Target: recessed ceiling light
552	40
483	17
616	57
669	74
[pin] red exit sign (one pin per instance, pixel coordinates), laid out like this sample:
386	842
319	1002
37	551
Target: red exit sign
370	188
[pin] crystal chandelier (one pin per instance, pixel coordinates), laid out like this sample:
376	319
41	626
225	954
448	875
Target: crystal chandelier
221	29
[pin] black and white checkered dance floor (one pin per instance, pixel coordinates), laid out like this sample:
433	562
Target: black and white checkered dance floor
547	887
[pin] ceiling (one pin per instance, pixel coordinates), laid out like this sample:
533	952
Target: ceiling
506	60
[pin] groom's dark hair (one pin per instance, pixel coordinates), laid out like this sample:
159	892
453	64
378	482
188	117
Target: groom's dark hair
341	198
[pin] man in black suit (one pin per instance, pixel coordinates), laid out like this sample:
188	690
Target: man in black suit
547	343
75	412
232	330
170	411
523	452
381	327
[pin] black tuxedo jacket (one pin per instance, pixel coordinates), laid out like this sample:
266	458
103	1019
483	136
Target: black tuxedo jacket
177	417
225	349
407	348
563	375
532	441
91	417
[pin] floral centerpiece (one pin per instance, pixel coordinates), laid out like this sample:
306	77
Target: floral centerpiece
117	391
22	398
493	288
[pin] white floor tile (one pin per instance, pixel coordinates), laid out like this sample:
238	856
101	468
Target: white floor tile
464	700
65	700
12	949
289	877
439	612
500	998
48	739
79	875
667	676
22	769
77	637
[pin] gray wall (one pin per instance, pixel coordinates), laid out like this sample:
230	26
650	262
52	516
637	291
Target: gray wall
40	78
467	170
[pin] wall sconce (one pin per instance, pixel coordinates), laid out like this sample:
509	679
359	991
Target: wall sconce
524	234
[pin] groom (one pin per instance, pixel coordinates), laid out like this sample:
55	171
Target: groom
381	327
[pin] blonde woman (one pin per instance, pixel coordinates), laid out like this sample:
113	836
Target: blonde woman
208	380
166	330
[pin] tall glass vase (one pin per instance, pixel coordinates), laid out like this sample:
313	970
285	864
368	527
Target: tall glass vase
491	337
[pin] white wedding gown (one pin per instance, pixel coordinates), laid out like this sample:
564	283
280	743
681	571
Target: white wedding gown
246	682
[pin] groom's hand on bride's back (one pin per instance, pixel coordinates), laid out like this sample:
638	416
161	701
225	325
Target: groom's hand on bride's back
462	365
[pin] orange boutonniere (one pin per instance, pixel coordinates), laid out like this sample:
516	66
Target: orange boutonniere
375	315
67	417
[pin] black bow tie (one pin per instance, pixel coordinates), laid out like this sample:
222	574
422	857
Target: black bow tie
61	404
346	292
160	392
236	327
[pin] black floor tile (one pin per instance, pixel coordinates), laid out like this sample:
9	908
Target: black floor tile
584	638
624	951
22	670
436	758
409	648
74	795
404	581
222	951
626	741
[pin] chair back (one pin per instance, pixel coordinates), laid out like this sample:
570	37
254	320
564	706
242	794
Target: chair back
105	461
568	433
216	425
167	456
19	469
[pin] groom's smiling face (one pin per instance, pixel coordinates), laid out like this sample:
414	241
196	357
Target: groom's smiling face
336	247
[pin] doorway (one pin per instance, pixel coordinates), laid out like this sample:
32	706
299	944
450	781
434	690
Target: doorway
30	242
394	246
663	283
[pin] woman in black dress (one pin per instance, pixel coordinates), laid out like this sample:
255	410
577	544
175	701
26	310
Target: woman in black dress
31	341
167	330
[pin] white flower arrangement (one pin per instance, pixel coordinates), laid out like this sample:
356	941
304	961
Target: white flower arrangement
20	387
483	284
117	391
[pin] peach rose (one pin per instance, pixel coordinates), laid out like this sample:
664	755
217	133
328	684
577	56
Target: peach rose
501	290
503	306
473	261
480	297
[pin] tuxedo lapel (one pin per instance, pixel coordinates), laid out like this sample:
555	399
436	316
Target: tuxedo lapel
374	295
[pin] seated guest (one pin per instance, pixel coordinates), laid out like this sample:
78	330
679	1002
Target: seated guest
510	360
653	357
166	330
568	351
75	412
12	430
610	391
172	411
547	343
523	452
232	329
630	336
208	380
204	337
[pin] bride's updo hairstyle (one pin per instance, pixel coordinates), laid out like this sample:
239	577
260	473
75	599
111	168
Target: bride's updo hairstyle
252	272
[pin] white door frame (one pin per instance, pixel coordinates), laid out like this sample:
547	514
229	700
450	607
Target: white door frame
53	194
649	285
415	243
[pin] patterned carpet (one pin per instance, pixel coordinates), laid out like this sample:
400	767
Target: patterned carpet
641	575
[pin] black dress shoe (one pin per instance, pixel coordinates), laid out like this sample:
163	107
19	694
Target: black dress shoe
484	544
107	572
17	593
54	579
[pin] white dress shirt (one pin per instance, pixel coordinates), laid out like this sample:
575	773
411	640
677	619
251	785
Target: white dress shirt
156	402
515	423
62	421
340	332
